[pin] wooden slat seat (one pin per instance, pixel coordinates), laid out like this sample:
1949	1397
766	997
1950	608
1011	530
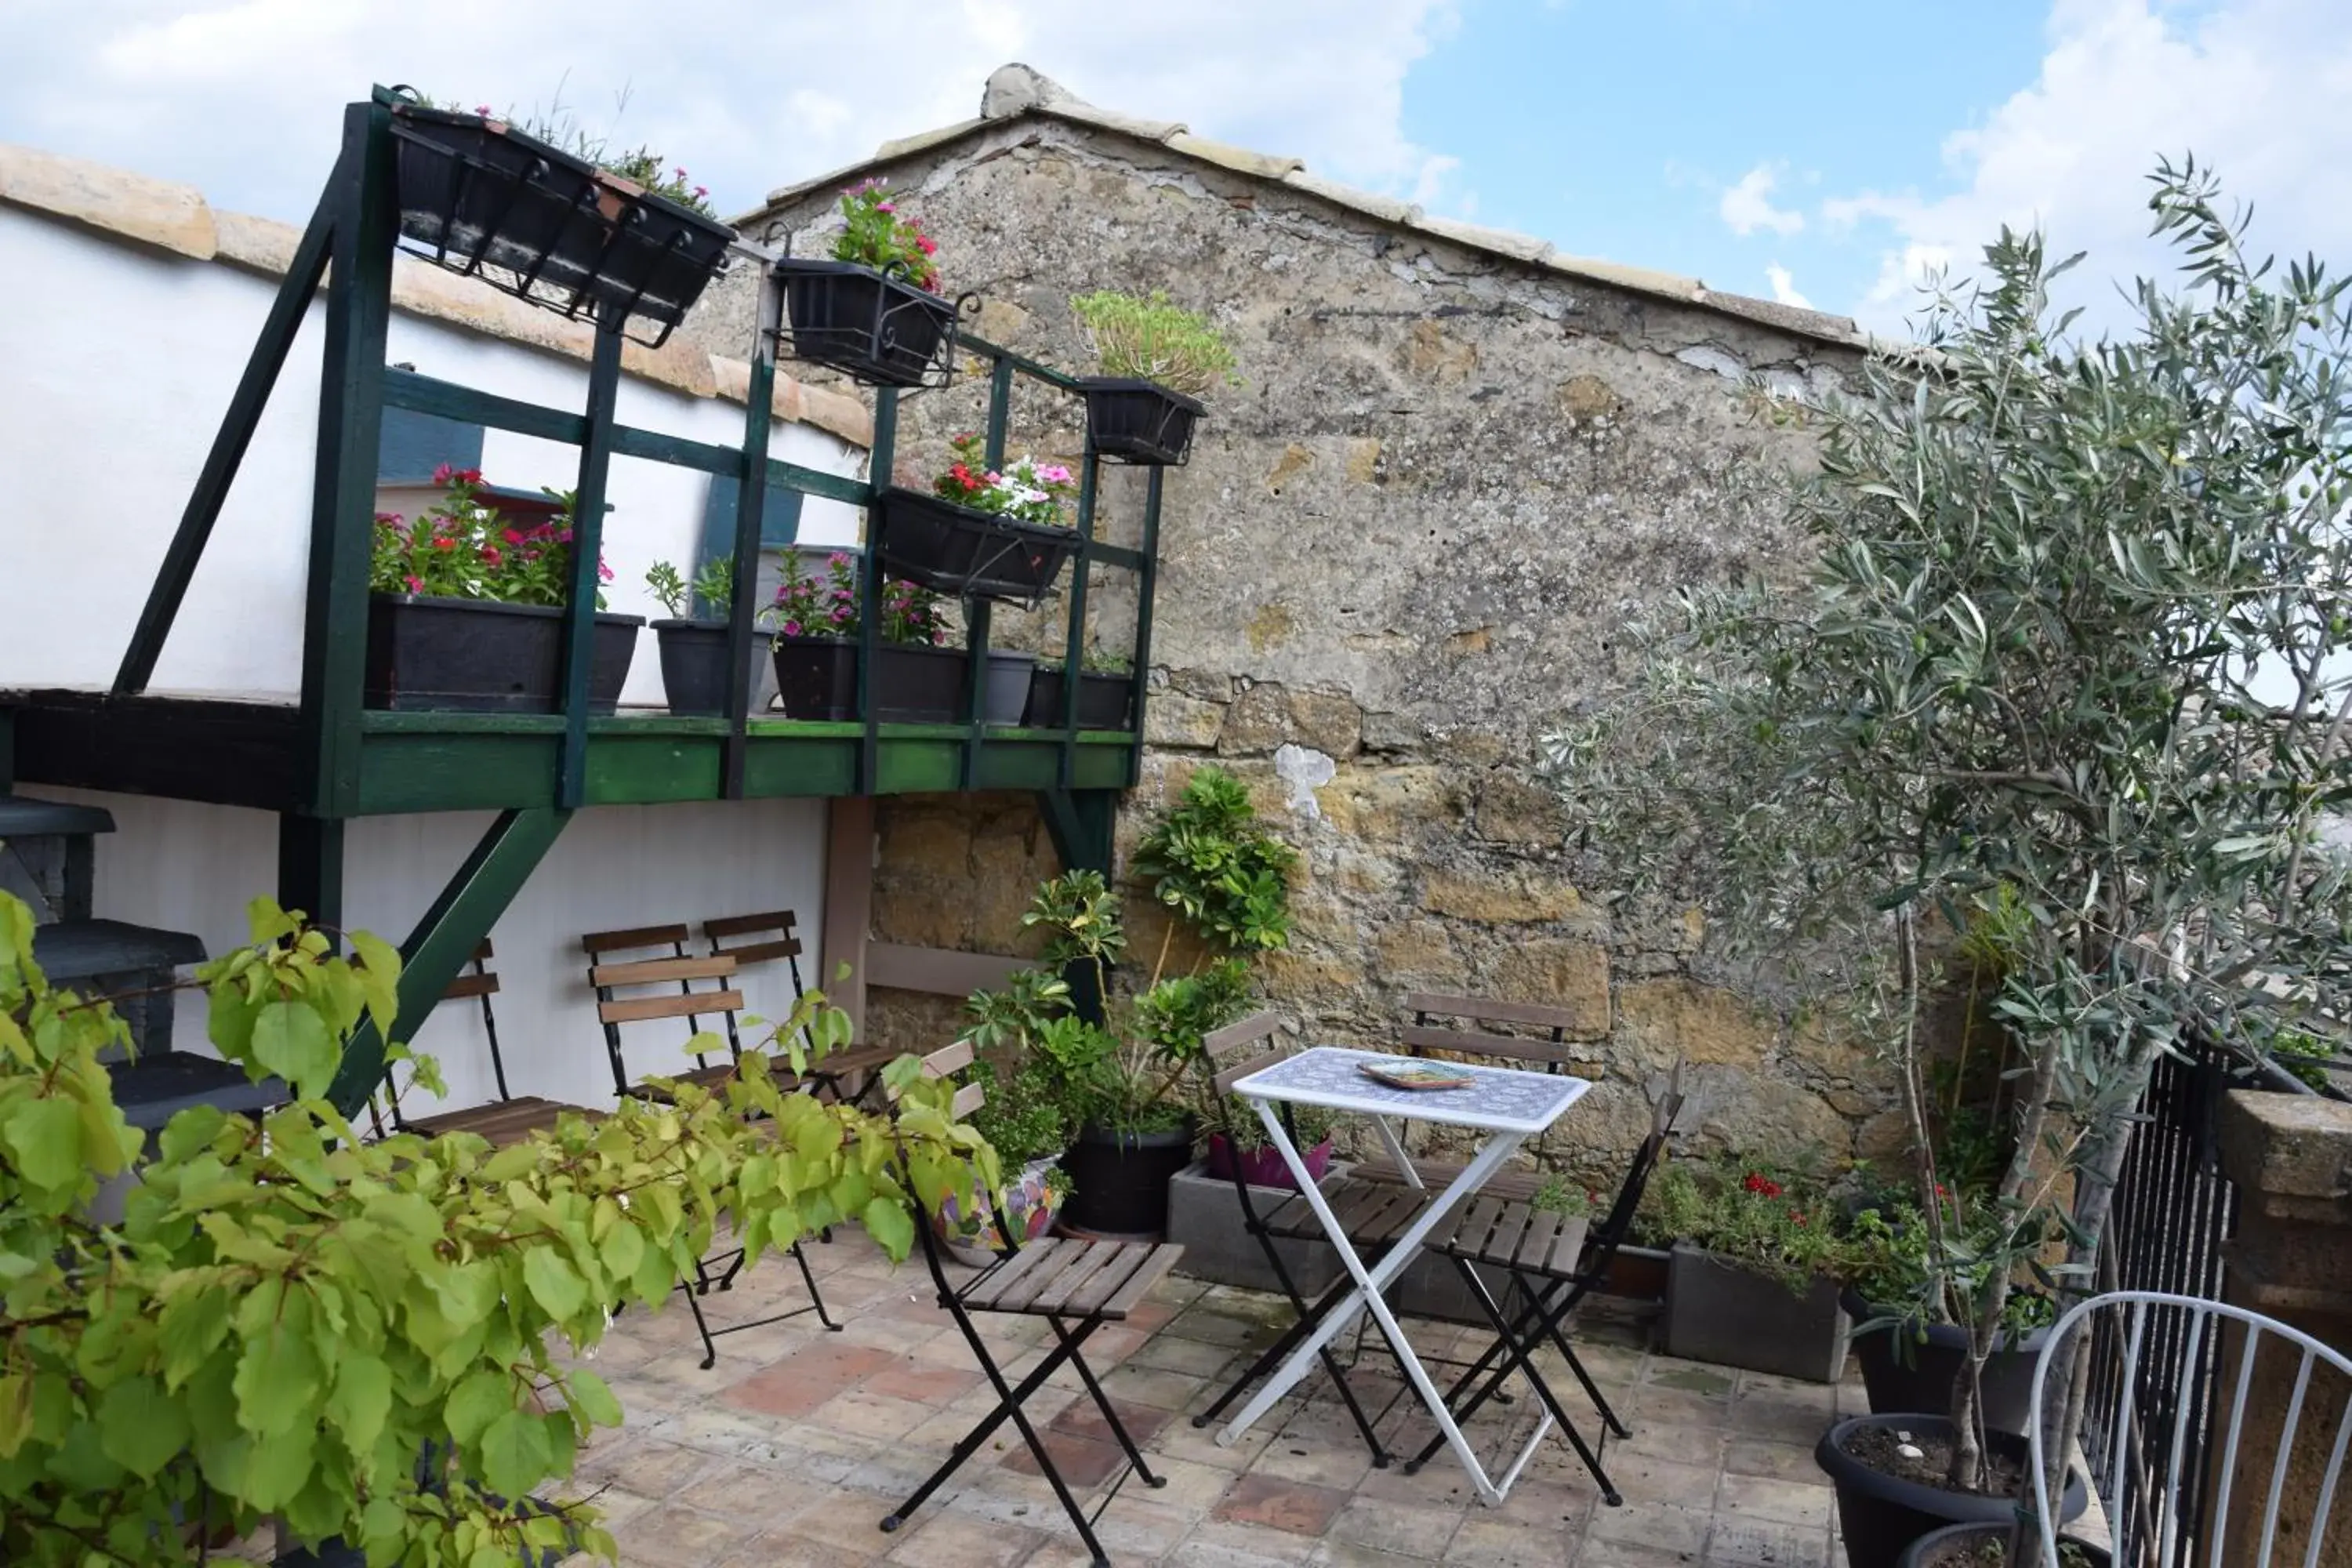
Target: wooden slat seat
715	1077
500	1121
1057	1278
1518	1182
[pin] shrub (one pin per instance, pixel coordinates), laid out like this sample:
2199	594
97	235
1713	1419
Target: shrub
1149	339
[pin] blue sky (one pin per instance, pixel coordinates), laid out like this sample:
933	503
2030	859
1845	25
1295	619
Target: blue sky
1828	150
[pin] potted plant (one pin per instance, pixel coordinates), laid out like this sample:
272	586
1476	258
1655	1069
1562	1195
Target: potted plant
1156	361
550	213
376	1344
1912	1353
1243	1143
1105	694
1024	1121
915	679
466	608
873	310
2106	689
980	532
1749	1284
694	646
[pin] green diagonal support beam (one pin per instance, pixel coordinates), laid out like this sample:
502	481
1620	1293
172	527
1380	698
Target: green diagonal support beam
447	937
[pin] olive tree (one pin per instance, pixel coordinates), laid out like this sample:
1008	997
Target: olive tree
2066	644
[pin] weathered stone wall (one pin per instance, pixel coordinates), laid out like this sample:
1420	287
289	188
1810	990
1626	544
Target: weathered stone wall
1403	547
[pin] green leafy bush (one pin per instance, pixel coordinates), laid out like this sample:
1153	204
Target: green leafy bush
1149	338
366	1339
714	586
1213	863
1773	1218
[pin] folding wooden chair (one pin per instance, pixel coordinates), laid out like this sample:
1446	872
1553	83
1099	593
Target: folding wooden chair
1077	1287
510	1118
772	938
1373	1214
1553	1262
642	975
614	1010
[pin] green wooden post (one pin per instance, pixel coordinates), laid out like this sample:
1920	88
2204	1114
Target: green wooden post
587	559
342	499
979	613
750	502
279	330
447	937
310	866
1073	643
1147	585
879	459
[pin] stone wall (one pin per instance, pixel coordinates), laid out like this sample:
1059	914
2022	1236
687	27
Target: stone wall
1404	545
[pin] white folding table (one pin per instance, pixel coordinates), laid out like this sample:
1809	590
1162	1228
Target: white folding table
1505	1103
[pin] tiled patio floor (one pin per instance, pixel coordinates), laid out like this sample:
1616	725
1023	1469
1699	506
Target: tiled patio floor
794	1445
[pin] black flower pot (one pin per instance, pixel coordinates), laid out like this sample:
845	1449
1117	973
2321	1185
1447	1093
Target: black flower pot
1118	1180
869	325
954	550
1905	1369
1133	421
817	677
1104	700
1721	1312
694	666
1882	1514
476	656
482	198
1931	1549
916	684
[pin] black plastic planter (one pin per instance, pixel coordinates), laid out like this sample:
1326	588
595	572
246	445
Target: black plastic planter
875	328
1103	701
476	656
913	684
1139	421
1719	1312
481	198
1904	1372
1882	1514
955	550
1118	1180
694	666
817	677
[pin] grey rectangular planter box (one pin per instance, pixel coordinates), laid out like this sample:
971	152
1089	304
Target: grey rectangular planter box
1206	1218
1719	1312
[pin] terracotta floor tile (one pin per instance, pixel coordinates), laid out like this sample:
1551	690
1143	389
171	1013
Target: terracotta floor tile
1761	1456
923	1382
948	1540
1084	1418
1193	1358
753	1493
1412	1530
1596	1553
1810	1503
1084	1463
1498	1543
675	1537
1753	1543
1231	1543
807	1378
1660	1527
1295	1506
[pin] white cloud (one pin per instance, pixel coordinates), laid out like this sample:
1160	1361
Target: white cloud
1748	206
242	98
2253	88
1784	287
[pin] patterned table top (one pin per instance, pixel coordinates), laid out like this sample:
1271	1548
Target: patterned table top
1502	1100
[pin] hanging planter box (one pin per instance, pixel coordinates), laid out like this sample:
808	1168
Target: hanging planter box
1132	421
971	554
1104	700
869	325
481	198
474	656
694	666
913	684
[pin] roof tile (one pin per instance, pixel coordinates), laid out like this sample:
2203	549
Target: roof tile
1264	165
156	213
1502	241
1388	210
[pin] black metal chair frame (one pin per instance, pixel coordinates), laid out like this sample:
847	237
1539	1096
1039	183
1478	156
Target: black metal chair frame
1546	1297
1069	1337
827	1077
719	1270
1307	1315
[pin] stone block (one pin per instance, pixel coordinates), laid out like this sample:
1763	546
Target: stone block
1269	716
1663	1021
1391	806
1511	810
1172	718
1508	895
1558	973
1741	1111
1418	952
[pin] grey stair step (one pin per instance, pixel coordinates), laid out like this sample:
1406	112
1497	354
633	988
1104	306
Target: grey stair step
152	1089
77	950
22	818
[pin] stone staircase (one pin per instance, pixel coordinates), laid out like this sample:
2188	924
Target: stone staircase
49	857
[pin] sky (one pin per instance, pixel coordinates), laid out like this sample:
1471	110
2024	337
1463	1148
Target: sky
1830	152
